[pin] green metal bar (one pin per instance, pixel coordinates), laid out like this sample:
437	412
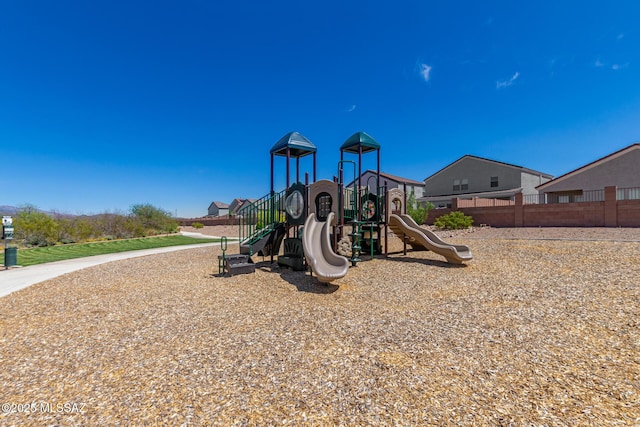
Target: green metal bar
371	239
222	262
340	176
267	210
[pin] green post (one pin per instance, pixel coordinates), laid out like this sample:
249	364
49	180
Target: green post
371	238
340	187
10	253
222	261
355	242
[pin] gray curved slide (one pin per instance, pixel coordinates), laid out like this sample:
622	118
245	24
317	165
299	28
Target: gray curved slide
316	242
404	224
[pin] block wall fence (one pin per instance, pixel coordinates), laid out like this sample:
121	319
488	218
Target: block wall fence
500	213
185	222
608	213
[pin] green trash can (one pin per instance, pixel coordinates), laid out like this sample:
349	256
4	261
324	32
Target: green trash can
10	257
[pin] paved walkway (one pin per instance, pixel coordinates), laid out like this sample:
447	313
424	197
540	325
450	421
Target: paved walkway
18	278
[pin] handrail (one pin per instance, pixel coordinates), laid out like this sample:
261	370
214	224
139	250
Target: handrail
258	219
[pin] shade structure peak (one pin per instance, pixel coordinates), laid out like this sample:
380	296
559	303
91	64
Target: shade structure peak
297	144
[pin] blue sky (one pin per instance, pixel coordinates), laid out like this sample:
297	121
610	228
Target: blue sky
105	104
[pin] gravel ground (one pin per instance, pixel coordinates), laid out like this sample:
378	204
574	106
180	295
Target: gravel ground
536	233
533	331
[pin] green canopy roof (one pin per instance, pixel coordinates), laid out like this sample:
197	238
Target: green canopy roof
298	145
360	139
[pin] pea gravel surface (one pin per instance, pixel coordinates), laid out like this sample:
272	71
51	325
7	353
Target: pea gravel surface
536	330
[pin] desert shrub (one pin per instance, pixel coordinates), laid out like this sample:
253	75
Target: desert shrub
197	225
76	229
35	228
117	226
154	220
84	229
453	221
65	231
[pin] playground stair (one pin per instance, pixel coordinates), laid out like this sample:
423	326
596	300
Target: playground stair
265	241
261	225
238	264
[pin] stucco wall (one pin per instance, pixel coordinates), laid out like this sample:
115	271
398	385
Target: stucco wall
531	181
478	172
215	211
620	172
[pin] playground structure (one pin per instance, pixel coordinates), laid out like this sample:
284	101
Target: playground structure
318	249
362	206
311	218
420	238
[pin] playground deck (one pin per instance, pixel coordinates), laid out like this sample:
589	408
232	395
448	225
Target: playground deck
532	331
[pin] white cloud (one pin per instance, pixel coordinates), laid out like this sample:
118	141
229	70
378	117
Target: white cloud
351	108
425	72
506	83
619	66
615	67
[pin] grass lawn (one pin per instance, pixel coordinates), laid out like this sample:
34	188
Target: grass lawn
34	256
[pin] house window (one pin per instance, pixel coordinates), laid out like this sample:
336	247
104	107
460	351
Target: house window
456	185
494	181
465	184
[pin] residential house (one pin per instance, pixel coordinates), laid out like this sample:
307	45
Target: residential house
218	209
245	203
235	205
587	183
368	180
472	176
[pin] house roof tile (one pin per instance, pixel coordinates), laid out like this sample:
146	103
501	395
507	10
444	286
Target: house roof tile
221	205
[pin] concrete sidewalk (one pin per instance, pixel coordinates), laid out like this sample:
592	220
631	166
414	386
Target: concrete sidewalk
18	278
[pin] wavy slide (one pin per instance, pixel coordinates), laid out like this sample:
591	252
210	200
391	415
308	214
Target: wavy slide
405	225
316	242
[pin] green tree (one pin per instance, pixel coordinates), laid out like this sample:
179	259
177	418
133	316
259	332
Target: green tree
416	211
66	230
84	229
35	228
153	220
118	226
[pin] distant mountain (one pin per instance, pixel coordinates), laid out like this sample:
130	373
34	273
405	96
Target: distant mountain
8	210
13	211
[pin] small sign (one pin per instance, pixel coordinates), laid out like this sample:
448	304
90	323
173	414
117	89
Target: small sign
7	220
7	232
